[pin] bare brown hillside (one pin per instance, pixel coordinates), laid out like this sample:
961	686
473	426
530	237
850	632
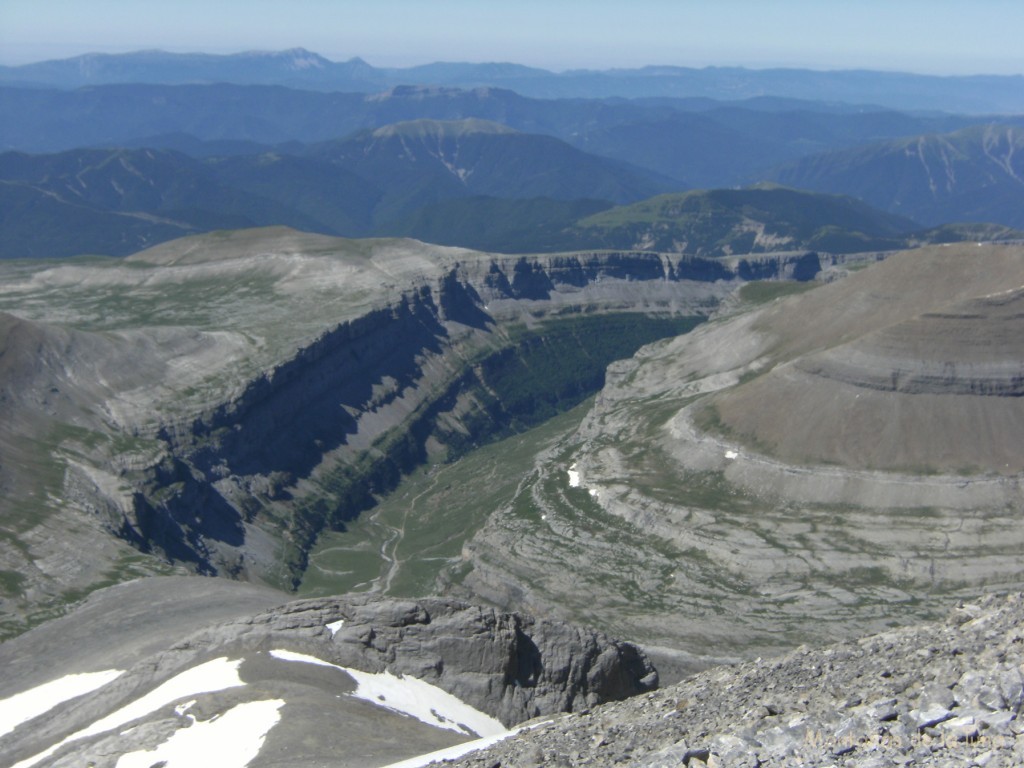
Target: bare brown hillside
916	364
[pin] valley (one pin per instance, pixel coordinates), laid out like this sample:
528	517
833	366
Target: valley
688	521
699	538
218	402
404	542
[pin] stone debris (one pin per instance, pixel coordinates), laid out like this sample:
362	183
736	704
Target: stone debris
942	694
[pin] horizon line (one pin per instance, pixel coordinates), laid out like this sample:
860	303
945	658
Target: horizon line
555	71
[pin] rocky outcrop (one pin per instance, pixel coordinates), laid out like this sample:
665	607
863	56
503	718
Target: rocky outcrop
509	665
542	276
944	694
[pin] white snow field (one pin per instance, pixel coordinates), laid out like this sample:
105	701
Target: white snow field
448	754
459	750
230	740
22	707
215	675
411	696
574	477
234	738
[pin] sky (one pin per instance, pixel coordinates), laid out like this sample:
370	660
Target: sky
946	37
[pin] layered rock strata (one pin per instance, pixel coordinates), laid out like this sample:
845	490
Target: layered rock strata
823	465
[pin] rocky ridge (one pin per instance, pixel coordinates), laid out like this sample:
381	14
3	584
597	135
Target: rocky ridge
509	666
949	693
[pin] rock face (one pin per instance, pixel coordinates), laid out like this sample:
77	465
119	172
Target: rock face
945	694
512	666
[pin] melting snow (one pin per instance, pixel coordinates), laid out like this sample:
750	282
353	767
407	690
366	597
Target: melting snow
215	675
231	740
334	626
574	482
411	696
461	749
574	477
425	702
451	752
22	707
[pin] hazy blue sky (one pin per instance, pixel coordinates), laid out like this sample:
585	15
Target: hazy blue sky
929	36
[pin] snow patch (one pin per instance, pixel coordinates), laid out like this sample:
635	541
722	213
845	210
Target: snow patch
451	753
304	658
575	482
426	702
334	626
574	477
411	696
215	675
231	740
22	707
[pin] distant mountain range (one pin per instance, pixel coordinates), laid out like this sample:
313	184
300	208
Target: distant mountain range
299	68
976	174
467	183
709	223
698	142
424	161
117	201
151	146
